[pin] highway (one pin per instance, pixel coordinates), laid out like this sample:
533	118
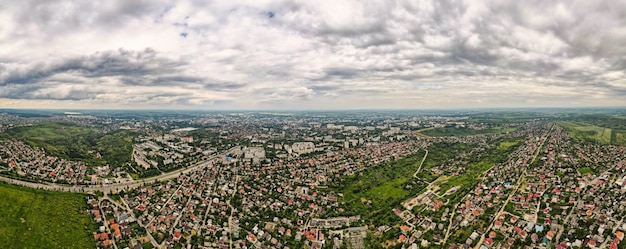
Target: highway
106	188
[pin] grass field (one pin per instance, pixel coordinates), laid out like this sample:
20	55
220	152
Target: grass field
43	219
474	170
459	132
505	145
593	133
620	138
384	185
586	170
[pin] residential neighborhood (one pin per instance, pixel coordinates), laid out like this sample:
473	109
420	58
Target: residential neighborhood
283	182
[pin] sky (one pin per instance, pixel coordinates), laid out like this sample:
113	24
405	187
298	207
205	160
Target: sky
339	54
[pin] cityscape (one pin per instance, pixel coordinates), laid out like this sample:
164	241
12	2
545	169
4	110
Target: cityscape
282	124
397	179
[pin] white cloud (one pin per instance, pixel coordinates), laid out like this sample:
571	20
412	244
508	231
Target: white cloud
293	54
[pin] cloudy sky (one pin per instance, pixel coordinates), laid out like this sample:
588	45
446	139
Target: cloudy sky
339	54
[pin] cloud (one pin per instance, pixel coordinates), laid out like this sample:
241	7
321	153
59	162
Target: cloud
134	76
101	64
293	54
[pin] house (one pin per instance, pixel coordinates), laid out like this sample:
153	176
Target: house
404	228
402	238
489	241
534	237
177	235
104	236
117	234
497	224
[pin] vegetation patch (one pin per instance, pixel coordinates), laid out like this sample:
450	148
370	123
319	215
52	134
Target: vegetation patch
592	133
76	142
464	131
34	218
619	137
376	191
586	170
505	145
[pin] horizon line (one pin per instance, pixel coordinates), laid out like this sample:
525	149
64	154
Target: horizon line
319	110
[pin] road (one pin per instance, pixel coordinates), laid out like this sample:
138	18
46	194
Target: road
106	224
111	187
519	183
232	210
445	238
420	167
132	214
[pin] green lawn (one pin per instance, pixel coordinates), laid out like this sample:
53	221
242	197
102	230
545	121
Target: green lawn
43	219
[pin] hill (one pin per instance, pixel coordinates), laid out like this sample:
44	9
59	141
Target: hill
76	142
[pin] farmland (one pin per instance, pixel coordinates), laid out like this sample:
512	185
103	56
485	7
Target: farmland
593	133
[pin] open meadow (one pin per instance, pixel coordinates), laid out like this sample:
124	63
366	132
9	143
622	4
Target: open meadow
593	133
34	218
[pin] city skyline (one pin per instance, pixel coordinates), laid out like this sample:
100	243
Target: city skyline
286	55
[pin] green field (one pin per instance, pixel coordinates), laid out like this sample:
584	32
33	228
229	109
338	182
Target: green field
586	170
75	142
385	186
506	117
43	219
592	133
505	145
463	131
376	191
476	168
620	137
